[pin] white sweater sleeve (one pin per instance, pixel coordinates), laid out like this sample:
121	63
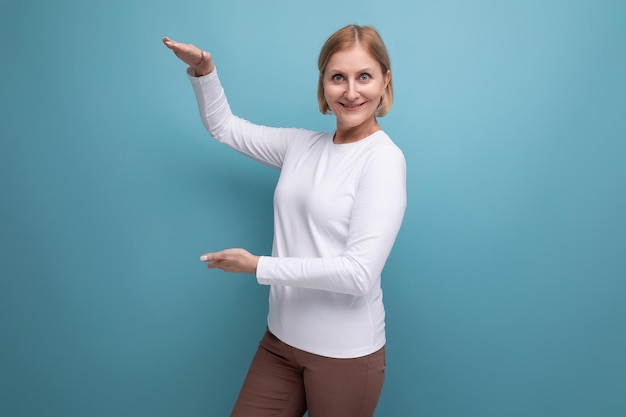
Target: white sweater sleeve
264	144
376	218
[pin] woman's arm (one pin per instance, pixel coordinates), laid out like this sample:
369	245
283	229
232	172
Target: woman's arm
264	144
267	145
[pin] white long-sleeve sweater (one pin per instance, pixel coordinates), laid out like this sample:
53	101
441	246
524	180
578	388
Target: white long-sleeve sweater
337	212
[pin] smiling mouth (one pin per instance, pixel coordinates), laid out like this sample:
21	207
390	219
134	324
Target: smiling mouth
351	106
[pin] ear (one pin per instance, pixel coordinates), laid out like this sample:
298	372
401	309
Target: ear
387	78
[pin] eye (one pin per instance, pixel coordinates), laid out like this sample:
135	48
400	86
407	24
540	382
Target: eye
337	77
364	77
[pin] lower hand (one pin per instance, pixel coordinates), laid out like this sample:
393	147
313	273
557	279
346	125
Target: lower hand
232	260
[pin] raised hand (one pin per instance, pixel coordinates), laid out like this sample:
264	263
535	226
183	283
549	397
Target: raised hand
196	58
232	260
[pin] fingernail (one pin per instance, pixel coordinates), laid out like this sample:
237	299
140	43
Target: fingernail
204	258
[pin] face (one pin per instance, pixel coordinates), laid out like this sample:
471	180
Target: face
353	87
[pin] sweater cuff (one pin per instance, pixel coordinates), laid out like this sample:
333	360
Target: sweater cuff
202	79
262	270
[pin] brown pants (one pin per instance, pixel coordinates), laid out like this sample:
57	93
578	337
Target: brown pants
286	382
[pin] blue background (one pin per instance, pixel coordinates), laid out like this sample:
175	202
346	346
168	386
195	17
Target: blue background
506	288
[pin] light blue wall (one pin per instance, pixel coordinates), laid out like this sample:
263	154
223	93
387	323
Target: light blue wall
505	291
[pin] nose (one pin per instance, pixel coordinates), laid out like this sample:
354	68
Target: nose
352	91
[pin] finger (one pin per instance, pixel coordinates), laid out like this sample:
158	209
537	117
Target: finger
212	256
168	42
173	45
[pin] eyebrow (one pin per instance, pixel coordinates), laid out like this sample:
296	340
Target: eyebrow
362	70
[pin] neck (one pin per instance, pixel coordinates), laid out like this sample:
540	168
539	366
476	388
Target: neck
355	134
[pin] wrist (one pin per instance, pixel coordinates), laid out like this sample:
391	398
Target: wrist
204	66
255	264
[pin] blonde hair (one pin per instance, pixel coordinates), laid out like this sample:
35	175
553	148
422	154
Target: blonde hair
370	40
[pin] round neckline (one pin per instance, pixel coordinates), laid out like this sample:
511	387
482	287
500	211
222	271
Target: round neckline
356	142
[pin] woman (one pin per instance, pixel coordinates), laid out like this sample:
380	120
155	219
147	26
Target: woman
338	207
